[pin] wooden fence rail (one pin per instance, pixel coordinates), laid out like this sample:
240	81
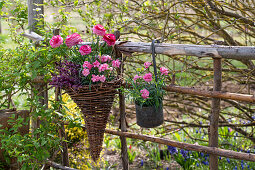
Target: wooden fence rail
187	146
211	94
228	52
214	94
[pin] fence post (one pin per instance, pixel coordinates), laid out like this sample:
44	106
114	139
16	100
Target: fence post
123	125
214	117
35	12
124	154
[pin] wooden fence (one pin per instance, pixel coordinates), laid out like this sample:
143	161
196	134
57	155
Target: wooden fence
215	52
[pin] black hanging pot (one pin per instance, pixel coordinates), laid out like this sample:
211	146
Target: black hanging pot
149	116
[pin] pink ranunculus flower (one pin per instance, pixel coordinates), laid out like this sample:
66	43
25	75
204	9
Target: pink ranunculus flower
147	77
147	64
136	77
109	39
85	72
87	64
96	64
145	93
72	40
99	30
102	78
85	50
164	71
95	78
116	63
103	67
56	41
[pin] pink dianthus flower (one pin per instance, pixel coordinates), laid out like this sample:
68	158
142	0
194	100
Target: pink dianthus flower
145	93
147	64
103	67
136	77
105	58
85	72
147	77
102	78
116	63
87	64
164	71
95	78
96	64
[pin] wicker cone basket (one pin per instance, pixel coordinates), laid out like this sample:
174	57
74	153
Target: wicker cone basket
95	102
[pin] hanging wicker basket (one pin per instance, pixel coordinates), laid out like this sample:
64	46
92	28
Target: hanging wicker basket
95	102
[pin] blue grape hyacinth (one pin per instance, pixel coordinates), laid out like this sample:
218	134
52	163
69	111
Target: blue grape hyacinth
172	150
184	153
141	162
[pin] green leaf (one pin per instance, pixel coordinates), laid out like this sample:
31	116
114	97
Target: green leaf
177	136
76	3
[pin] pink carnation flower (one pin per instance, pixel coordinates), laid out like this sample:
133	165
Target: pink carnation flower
87	64
105	58
85	49
109	39
99	30
85	72
147	64
145	93
147	77
95	78
56	41
102	78
73	39
164	71
136	77
116	63
96	64
103	67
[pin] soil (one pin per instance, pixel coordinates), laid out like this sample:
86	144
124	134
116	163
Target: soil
114	159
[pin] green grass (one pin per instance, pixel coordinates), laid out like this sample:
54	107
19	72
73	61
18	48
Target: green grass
5	40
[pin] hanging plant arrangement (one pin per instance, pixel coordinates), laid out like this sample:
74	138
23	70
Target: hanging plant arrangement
88	74
147	93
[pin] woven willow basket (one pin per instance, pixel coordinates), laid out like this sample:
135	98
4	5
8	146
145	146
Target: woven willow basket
95	102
